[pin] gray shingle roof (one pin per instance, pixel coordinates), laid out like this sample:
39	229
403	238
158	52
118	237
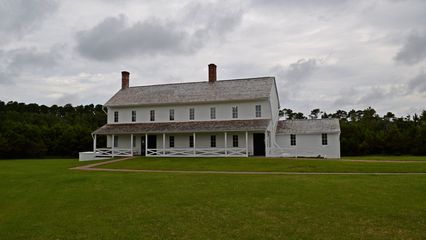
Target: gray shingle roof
307	126
194	92
193	126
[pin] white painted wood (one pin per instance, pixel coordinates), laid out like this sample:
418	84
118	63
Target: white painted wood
146	142
94	142
226	143
164	143
247	144
112	145
131	143
193	134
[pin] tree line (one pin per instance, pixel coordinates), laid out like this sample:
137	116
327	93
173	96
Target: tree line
32	130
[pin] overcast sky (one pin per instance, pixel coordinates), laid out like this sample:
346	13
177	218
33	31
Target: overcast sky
329	54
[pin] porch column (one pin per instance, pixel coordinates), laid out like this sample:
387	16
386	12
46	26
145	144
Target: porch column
131	143
146	144
164	143
246	144
193	136
94	143
112	145
226	144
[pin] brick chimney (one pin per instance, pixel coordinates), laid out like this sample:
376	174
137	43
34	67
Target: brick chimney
124	79
212	73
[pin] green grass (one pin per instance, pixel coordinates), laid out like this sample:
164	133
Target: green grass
386	158
42	199
266	164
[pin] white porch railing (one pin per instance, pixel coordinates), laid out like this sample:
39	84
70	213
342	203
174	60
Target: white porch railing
197	152
295	152
116	152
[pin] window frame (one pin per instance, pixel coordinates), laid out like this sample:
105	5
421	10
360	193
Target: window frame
171	141
235	112
213	141
152	115
235	141
258	111
324	139
293	140
213	113
133	115
171	114
191	141
115	116
115	142
192	114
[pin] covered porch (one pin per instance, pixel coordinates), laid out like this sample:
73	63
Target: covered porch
238	138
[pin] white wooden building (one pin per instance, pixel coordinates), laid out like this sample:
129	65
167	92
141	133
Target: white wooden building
238	117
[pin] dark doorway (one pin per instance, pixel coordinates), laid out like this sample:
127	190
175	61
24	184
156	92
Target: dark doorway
143	149
258	144
152	141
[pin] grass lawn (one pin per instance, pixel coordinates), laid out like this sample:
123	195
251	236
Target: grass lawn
266	164
386	158
43	199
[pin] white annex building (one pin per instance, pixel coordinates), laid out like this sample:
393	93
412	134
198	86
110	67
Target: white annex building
223	118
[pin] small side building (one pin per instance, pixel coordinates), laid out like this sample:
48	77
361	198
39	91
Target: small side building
308	138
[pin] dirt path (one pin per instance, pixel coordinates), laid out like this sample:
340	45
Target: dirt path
94	167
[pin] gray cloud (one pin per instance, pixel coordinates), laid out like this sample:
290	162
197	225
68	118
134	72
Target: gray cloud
418	83
18	17
114	38
414	49
19	61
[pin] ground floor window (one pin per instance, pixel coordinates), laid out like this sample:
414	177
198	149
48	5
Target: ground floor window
134	141
171	141
293	139
235	141
115	141
324	139
212	141
191	141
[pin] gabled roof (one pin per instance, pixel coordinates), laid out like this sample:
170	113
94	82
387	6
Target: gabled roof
308	126
180	127
194	92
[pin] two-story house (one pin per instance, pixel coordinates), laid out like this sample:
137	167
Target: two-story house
238	117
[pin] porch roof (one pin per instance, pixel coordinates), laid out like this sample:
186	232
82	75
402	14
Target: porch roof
178	127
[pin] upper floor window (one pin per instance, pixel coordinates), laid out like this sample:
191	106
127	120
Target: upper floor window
152	115
212	113
133	116
293	139
172	141
171	114
115	116
258	111
212	141
191	114
234	140
115	141
235	112
191	141
324	139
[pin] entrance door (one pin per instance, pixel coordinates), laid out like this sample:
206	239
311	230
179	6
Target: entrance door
152	141
143	150
258	144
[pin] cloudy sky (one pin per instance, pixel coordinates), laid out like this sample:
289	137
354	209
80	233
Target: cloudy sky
330	54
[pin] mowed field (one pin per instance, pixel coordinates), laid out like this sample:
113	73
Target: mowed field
44	199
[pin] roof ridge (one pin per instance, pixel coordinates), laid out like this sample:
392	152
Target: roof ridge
223	80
